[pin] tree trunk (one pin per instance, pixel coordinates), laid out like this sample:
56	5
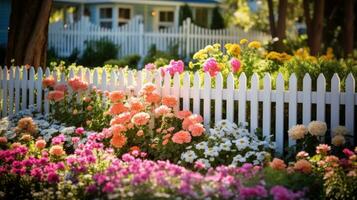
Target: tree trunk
348	27
27	37
319	8
281	29
272	19
306	6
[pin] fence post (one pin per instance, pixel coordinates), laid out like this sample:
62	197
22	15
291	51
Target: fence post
141	39
187	25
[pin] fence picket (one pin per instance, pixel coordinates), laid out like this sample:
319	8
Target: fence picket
167	85
1	90
230	97
306	106
176	91
95	78
186	91
279	114
335	101
320	98
218	98
242	98
39	89
292	104
158	82
350	104
207	99
47	103
11	91
254	106
31	86
4	91
17	89
139	81
196	93
266	107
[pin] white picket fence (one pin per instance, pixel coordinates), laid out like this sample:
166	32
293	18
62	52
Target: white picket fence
132	38
20	88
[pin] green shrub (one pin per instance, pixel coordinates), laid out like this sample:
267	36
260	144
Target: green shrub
131	61
98	51
217	19
161	58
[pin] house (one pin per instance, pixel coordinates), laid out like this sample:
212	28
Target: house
156	14
5	9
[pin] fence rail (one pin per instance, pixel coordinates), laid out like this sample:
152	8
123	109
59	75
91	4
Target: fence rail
21	87
132	38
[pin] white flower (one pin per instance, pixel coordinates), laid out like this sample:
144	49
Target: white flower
253	146
249	154
201	145
242	143
261	155
297	132
317	128
205	162
226	146
239	158
189	156
256	162
340	130
68	130
212	152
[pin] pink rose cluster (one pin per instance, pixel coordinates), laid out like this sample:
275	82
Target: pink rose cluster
173	68
211	66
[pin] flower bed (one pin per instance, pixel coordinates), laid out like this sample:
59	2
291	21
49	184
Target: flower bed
119	145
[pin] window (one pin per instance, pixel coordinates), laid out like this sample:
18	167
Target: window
201	17
105	17
124	15
166	19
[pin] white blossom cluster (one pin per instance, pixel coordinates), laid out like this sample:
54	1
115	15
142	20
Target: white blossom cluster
228	144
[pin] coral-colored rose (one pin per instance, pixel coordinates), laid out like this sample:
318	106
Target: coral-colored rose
235	65
87	99
55	95
27	124
192	119
40	144
277	164
303	166
57	150
26	137
211	66
323	149
15	145
118	129
77	84
122	118
196	129
136	105
118	141
175	67
89	108
181	137
61	87
183	114
162	110
165	141
150	66
116	96
148	88
140	133
169	101
140	118
338	140
3	140
117	108
153	97
48	82
302	154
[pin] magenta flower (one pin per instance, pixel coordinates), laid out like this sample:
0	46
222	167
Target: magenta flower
150	66
235	65
79	130
211	66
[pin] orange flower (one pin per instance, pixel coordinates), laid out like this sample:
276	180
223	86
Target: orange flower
61	87
3	140
87	99
183	114
118	141
48	82
169	101
26	124
277	164
26	137
55	95
40	144
140	118
196	129
117	108
167	136
136	105
118	129
192	119
303	166
57	150
89	108
122	118
116	96
134	148
140	133
153	97
77	84
148	88
181	137
165	142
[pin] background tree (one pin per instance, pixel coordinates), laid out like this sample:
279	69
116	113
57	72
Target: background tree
217	19
28	31
349	27
278	30
185	12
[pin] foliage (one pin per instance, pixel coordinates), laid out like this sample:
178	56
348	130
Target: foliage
160	58
53	58
97	52
217	19
185	12
131	61
228	144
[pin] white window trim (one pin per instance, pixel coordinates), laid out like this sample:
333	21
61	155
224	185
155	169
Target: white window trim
157	22
131	8
99	20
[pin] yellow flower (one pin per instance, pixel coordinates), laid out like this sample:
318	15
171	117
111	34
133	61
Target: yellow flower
218	46
255	45
233	49
243	41
209	48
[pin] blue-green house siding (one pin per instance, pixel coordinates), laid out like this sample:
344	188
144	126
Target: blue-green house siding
5	9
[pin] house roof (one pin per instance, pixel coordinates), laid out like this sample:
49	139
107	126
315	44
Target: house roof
154	2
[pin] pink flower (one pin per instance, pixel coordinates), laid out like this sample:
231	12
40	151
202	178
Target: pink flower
55	95
175	67
323	149
196	129
211	66
140	118
183	114
75	140
348	152
150	66
199	165
162	110
77	84
79	130
235	65
181	137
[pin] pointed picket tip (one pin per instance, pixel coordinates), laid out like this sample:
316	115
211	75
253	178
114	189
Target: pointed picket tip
40	71
350	78
242	77
196	81
176	76
219	81
267	81
207	76
167	77
320	78
255	77
186	77
335	77
230	77
307	77
293	78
